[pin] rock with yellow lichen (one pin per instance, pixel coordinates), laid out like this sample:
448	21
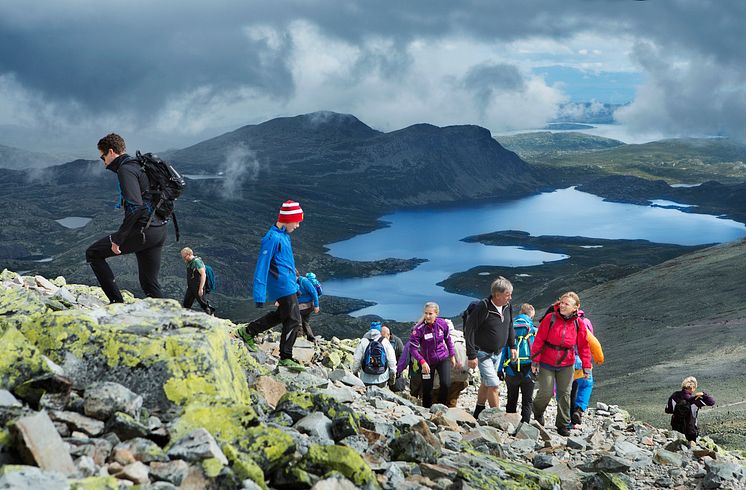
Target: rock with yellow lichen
153	347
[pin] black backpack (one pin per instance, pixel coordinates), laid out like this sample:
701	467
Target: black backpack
374	358
166	185
470	309
682	418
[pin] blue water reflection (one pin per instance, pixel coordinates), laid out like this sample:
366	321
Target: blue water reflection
435	235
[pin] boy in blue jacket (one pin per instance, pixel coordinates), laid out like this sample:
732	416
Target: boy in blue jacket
274	280
519	376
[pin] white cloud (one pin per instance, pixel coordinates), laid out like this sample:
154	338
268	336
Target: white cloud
695	96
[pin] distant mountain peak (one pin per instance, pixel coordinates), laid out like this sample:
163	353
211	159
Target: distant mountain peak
324	122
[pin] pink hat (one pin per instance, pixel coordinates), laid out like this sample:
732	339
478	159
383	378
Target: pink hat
290	212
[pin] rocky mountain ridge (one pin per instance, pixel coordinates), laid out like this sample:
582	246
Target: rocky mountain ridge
146	393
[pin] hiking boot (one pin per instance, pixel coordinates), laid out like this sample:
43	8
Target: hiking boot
248	340
210	310
577	416
563	431
292	365
539	419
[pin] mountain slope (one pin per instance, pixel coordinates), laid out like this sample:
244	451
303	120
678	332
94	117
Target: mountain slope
683	317
685	160
17	158
538	146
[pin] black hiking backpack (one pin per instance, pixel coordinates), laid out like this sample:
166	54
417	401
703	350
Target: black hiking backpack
470	309
166	185
682	418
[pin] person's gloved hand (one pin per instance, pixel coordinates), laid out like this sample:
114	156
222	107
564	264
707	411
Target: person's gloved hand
259	305
501	375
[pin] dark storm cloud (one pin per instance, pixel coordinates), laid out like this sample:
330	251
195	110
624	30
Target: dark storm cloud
136	56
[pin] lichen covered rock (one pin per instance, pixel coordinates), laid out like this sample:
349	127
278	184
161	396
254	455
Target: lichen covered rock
153	347
345	460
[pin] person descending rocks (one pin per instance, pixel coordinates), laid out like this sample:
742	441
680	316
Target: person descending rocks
197	286
517	374
684	408
274	280
432	347
553	355
488	328
374	360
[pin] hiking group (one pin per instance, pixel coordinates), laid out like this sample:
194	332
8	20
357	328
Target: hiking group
148	188
553	360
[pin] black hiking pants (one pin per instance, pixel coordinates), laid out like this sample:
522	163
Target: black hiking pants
288	314
525	383
148	262
444	374
192	293
304	315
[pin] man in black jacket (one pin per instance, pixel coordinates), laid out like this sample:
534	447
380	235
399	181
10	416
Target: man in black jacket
489	328
131	237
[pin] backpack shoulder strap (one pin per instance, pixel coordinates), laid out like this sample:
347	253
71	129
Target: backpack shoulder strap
486	310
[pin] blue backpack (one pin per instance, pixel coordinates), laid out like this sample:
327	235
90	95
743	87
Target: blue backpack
312	277
210	283
374	358
524	340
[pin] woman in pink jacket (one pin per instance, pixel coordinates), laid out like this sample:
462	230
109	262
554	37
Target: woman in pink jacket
553	355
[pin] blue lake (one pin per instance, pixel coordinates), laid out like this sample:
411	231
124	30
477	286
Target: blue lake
436	235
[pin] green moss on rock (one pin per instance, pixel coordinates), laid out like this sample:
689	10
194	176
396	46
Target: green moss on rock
171	357
226	422
520	476
60	331
322	459
298	405
243	466
96	483
270	448
17	305
20	361
212	467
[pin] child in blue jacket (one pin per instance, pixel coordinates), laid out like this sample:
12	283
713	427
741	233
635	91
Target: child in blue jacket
518	374
274	281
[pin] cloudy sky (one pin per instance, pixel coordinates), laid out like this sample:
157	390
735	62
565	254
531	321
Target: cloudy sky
170	73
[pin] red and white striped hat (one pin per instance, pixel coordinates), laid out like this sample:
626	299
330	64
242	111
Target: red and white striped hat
290	212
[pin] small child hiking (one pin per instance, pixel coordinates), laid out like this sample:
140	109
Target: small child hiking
517	374
684	408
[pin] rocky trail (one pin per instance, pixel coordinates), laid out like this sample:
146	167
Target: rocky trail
148	395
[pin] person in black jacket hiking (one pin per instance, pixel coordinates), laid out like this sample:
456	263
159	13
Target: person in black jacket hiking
489	328
131	237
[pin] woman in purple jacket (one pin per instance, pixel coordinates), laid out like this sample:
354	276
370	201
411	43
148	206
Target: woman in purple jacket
432	347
